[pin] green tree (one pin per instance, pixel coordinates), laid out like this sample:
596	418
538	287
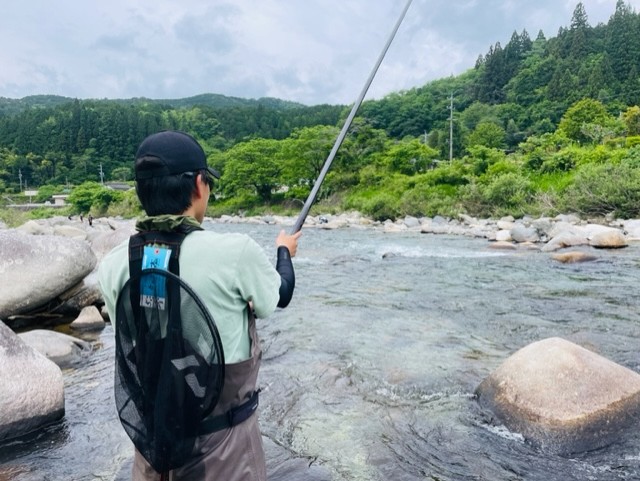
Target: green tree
579	32
122	173
583	112
92	196
487	134
410	157
304	154
622	40
45	192
253	167
631	118
562	86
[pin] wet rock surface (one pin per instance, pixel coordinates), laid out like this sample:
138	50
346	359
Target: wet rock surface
563	397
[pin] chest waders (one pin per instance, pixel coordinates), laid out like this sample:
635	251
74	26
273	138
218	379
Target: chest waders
170	376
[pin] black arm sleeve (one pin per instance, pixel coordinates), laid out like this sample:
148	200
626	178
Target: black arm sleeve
284	266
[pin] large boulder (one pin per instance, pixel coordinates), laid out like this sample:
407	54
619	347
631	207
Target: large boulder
85	293
564	239
31	385
103	241
522	233
632	228
70	231
562	397
608	239
36	268
33	227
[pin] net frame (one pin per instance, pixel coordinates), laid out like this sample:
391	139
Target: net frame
169	371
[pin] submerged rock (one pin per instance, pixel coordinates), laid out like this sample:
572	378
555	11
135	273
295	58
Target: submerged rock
503	245
56	346
573	257
31	385
562	397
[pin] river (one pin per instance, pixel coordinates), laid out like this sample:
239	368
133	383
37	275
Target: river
369	374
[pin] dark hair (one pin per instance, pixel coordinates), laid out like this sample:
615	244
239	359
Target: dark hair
169	194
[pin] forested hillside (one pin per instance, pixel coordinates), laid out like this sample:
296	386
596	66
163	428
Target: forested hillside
526	85
68	142
539	125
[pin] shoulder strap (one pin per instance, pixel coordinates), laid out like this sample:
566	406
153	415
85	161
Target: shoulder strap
170	240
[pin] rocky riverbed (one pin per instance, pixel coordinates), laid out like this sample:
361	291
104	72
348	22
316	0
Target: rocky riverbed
48	267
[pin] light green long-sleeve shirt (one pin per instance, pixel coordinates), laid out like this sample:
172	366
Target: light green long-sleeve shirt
226	271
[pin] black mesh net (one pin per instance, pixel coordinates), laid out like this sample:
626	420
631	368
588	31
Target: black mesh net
169	366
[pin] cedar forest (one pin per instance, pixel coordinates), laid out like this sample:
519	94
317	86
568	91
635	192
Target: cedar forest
538	126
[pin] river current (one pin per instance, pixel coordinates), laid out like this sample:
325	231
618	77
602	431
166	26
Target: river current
370	373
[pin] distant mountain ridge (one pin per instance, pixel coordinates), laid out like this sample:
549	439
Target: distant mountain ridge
13	106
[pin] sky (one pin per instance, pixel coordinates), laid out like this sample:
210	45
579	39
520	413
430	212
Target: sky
307	51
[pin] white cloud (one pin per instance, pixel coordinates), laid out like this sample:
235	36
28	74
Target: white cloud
316	51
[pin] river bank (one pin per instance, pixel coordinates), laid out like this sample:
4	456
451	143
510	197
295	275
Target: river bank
546	233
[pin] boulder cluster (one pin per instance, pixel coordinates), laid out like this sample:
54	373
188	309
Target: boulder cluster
48	273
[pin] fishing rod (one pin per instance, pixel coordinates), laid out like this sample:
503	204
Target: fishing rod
327	164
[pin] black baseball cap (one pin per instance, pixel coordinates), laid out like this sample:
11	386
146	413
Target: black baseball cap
170	152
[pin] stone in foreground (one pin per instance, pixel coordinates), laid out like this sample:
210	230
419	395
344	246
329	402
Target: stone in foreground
32	387
562	397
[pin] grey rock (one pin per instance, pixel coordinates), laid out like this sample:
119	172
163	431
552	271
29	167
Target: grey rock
411	221
561	397
85	293
565	228
568	218
611	239
632	228
32	387
104	241
543	225
33	227
36	269
563	240
521	233
89	319
56	346
70	231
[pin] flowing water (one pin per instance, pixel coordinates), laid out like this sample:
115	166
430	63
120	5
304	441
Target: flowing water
369	374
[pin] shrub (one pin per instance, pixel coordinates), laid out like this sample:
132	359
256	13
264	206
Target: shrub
604	188
48	212
128	206
427	200
13	217
450	173
564	160
381	206
506	194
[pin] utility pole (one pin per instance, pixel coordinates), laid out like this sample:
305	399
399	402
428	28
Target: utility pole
451	128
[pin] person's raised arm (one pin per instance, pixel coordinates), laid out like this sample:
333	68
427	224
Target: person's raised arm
287	247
